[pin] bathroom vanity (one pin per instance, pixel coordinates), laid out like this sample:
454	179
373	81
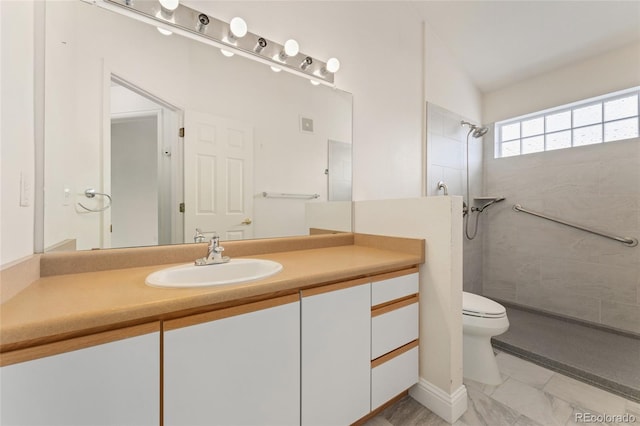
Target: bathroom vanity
330	339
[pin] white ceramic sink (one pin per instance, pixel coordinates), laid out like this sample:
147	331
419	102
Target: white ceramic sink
233	272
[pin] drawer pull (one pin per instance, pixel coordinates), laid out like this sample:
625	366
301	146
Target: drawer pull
393	305
393	354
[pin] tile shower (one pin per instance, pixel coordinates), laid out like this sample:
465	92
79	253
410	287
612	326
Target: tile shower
548	266
527	262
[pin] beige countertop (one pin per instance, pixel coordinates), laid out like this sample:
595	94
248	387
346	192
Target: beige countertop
61	306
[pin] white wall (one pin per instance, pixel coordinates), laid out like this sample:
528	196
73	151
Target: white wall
452	97
446	82
17	128
616	70
439	221
379	45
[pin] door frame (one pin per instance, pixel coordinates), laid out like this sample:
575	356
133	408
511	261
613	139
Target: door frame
172	140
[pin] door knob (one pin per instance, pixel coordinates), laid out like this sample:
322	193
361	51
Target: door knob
247	221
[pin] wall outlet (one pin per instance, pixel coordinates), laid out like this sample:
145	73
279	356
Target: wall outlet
25	189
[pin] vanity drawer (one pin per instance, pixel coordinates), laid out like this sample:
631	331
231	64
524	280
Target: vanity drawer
394	376
394	326
393	288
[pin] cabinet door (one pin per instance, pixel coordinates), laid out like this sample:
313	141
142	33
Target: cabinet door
115	383
240	367
336	350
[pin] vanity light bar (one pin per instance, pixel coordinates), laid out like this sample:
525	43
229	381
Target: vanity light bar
202	27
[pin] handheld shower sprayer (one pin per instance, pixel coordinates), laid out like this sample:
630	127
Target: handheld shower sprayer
489	204
477	132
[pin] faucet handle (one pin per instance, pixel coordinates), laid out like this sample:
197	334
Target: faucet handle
198	237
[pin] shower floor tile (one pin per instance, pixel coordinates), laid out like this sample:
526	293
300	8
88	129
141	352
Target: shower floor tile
605	359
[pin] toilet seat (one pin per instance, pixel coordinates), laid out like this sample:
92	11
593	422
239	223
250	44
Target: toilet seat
481	307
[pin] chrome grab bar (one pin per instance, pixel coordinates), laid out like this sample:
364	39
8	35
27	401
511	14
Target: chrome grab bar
284	195
628	241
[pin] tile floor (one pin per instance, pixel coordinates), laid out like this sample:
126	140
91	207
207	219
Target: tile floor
529	395
608	360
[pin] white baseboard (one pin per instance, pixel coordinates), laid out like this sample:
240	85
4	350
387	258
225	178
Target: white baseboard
448	406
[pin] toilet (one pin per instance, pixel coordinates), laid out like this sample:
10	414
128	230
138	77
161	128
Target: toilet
482	319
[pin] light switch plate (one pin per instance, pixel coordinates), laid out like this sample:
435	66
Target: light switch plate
25	189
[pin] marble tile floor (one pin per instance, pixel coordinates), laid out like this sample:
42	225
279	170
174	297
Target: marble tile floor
605	359
529	395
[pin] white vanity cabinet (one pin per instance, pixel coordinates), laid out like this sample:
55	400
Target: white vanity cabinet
394	337
336	348
235	366
111	378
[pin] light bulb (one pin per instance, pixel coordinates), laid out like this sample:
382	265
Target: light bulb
315	83
227	53
169	5
291	47
164	32
333	65
238	27
276	69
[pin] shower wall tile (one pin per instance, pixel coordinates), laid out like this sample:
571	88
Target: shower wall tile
579	274
436	174
623	179
454	179
451	127
502	290
608	213
560	301
621	315
447	152
600	281
472	268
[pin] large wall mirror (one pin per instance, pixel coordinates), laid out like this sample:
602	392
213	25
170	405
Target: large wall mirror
263	154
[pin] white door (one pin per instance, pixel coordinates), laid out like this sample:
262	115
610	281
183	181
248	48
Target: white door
218	176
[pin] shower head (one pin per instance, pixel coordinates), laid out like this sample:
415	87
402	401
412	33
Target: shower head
475	130
490	203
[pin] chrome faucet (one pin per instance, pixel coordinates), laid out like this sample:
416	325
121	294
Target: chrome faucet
214	253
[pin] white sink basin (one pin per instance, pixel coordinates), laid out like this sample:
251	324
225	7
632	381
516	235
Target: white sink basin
233	272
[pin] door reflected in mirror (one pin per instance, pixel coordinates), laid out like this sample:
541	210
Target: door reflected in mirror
145	177
116	94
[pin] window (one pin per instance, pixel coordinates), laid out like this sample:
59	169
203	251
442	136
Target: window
604	119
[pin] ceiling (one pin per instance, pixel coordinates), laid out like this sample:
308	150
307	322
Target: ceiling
501	42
